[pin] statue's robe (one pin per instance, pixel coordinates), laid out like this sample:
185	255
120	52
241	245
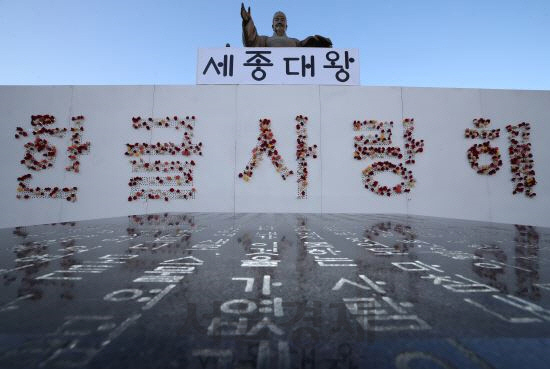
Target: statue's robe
252	39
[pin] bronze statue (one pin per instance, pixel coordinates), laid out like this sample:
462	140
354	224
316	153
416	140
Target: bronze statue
279	38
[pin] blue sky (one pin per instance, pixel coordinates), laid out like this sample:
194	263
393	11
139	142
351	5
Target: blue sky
432	43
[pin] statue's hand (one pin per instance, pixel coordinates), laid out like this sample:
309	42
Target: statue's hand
317	41
323	41
245	15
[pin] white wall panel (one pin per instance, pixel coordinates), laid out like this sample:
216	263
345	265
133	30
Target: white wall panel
447	185
214	109
513	107
17	104
227	125
104	173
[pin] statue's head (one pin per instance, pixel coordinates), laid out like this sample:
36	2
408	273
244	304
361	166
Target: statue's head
279	23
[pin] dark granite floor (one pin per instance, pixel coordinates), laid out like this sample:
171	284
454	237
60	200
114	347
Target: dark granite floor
275	291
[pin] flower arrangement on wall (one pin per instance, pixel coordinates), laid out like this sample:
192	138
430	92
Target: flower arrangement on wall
383	129
41	155
161	166
376	145
412	146
485	148
40	147
474	153
46	153
164	148
188	123
482	133
166	195
266	145
177	180
404	186
186	148
24	191
519	150
521	159
181	183
77	147
40	122
303	151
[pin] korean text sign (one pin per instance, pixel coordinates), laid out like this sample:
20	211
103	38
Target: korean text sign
281	65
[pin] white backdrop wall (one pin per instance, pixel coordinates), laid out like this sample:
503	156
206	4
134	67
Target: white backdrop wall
227	125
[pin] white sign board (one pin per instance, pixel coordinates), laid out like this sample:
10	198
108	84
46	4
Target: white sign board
278	66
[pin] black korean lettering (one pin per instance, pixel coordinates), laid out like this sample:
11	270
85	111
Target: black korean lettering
305	66
227	65
287	66
342	75
212	63
258	60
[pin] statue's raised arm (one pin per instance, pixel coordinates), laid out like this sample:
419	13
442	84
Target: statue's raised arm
279	37
250	35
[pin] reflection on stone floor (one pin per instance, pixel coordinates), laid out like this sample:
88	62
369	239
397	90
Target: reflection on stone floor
211	290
